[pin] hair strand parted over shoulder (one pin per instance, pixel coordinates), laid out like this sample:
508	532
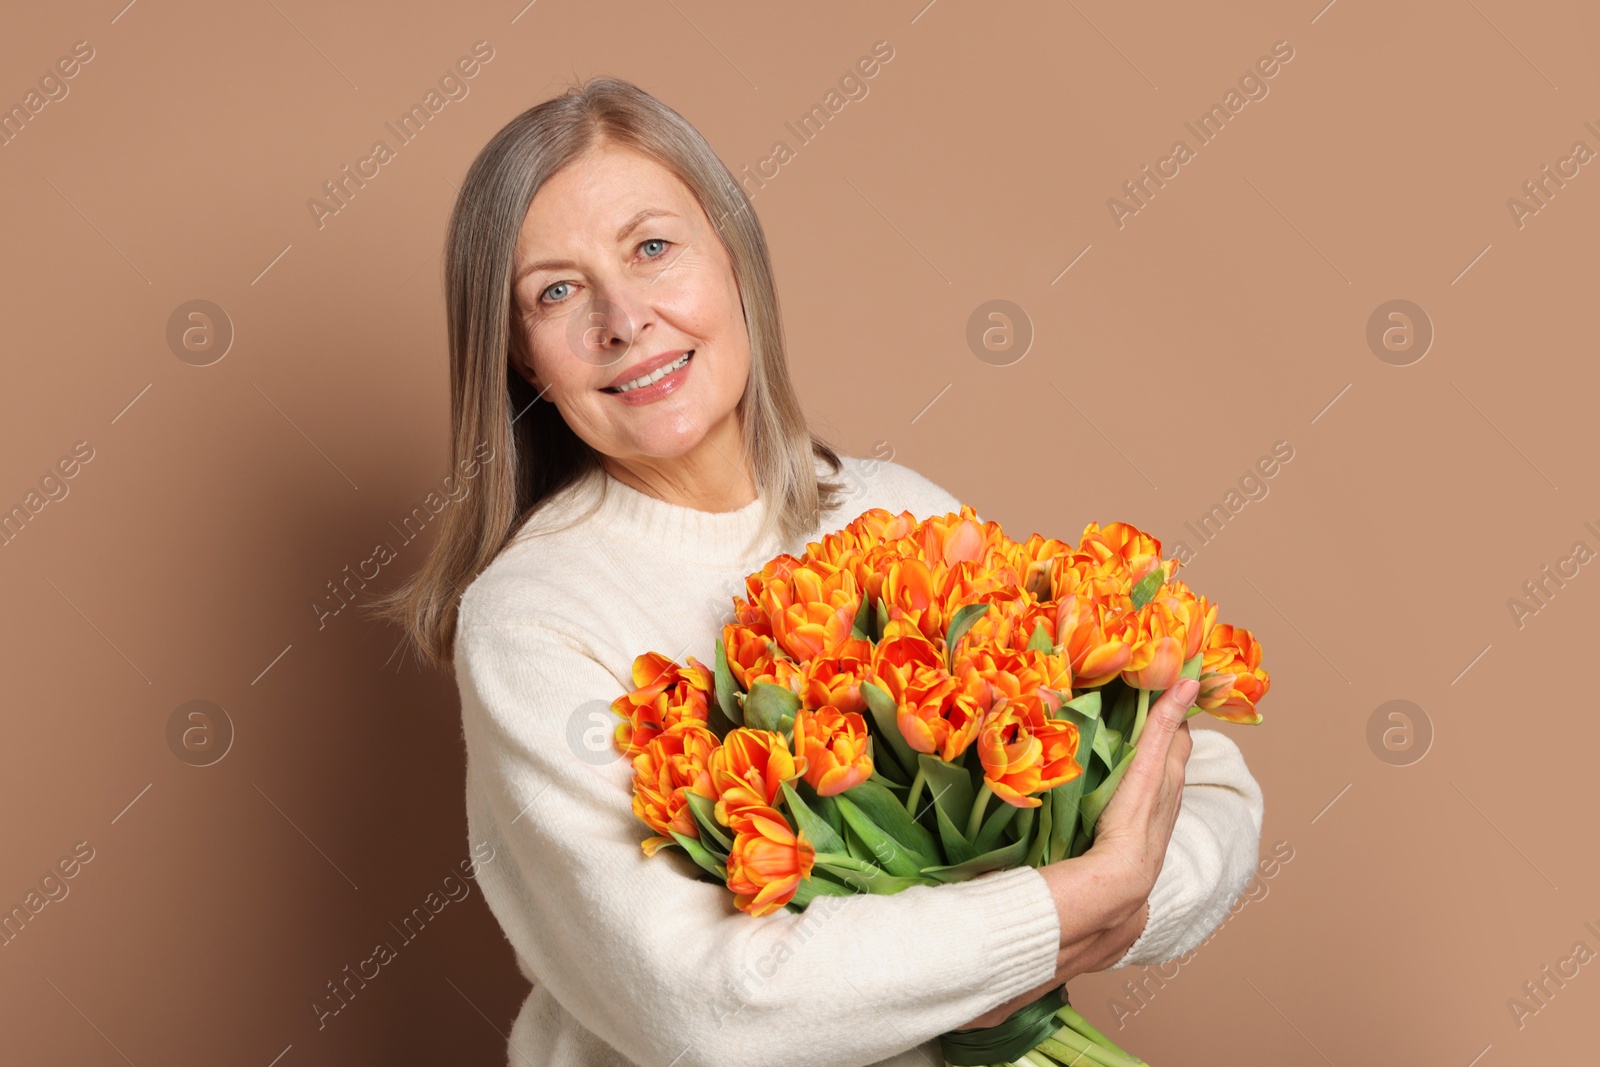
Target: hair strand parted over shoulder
494	411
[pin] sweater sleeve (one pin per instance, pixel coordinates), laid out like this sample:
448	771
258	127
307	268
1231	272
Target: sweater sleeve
657	962
1216	839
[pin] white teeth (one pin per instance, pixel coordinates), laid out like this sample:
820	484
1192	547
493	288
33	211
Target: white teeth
655	376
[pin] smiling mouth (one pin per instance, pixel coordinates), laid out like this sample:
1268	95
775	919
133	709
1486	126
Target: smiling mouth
653	377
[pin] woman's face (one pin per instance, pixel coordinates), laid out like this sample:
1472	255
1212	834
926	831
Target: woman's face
619	272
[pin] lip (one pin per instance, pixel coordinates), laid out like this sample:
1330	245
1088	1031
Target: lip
640	369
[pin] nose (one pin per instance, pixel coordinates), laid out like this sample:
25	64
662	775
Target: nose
617	315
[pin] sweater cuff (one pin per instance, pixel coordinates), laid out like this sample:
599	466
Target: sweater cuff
1161	926
1018	927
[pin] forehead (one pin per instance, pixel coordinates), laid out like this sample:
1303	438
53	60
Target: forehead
589	197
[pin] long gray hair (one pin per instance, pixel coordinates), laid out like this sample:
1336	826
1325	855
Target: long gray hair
532	453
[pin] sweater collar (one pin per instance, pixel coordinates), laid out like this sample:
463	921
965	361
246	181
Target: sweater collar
683	532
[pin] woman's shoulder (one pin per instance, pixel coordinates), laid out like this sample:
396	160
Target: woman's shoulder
542	571
878	481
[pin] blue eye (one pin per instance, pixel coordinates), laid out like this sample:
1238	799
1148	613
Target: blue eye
557	285
655	241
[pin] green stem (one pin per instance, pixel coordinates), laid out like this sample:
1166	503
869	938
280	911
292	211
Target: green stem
1072	1046
1073	1018
976	820
1139	715
916	791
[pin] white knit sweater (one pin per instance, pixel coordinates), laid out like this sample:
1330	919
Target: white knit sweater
635	959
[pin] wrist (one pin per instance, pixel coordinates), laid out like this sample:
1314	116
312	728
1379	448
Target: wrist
1096	893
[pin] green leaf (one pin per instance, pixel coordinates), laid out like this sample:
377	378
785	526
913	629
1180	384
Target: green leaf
960	623
865	876
1041	639
771	707
1147	586
698	853
1063	801
884	713
888	851
727	689
815	827
949	786
994	820
888	813
1039	843
857	848
1087	703
704	810
1191	669
815	886
997	859
1095	803
862	628
880	617
1107	746
957	849
821	805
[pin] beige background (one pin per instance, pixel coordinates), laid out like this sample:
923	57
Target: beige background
1229	313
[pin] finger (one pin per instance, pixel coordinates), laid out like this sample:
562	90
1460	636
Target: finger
1170	711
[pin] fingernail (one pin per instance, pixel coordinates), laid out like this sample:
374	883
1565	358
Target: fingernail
1185	690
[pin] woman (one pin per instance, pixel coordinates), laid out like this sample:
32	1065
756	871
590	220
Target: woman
602	260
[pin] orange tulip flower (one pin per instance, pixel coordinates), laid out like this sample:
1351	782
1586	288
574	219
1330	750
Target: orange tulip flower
1231	678
672	764
664	693
768	860
834	745
1023	751
748	769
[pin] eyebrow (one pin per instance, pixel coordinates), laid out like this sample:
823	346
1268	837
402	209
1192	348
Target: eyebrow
627	227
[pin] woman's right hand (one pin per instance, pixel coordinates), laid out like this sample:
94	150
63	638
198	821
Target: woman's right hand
1102	896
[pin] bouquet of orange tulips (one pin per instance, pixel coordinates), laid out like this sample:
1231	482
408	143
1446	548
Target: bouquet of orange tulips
919	702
